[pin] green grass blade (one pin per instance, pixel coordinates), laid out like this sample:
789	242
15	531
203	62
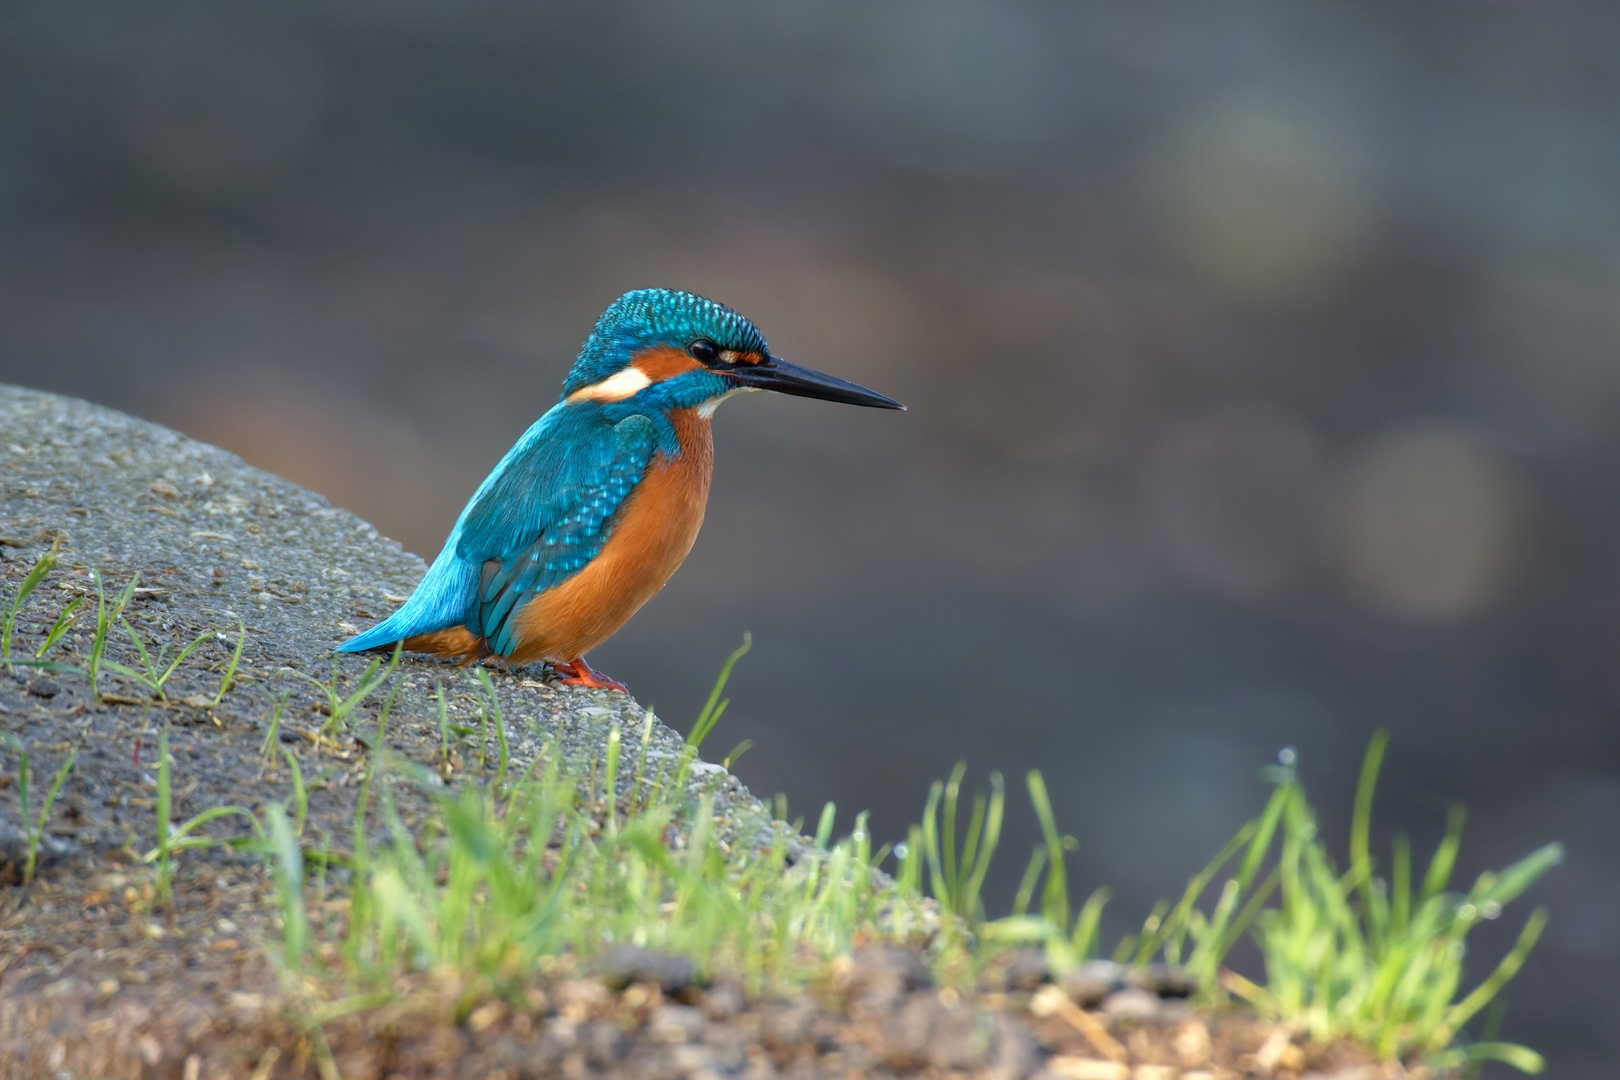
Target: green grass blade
58	629
1510	883
132	675
1509	966
37	832
1400	886
273	732
824	828
1361	864
610	781
714	706
909	877
1055	897
1445	856
444	727
1032	877
1087	926
987	844
150	678
22	771
1520	1057
288	872
37	573
1174	927
164	816
299	793
170	670
940	887
180	832
369	682
947	844
236	658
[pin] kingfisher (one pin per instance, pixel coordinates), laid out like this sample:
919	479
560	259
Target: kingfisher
598	504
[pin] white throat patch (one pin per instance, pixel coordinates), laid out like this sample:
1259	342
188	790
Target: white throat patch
626	383
706	409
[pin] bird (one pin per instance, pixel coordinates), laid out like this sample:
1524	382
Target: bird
598	503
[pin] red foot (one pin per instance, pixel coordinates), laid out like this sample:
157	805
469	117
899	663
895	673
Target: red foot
578	673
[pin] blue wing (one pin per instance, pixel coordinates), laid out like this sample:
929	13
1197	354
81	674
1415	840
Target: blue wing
536	520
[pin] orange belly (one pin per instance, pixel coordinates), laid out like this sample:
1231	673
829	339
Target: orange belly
651	539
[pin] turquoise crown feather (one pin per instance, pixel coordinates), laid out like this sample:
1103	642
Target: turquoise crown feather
643	318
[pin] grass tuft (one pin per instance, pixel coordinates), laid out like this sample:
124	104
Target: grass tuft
1386	971
36	574
173	838
957	876
34	828
106	617
59	628
152	678
545	873
1347	955
338	706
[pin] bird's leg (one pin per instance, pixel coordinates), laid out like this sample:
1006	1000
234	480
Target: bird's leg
577	672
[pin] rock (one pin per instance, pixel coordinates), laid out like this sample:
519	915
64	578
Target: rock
786	1025
605	1044
1162	980
677	1024
44	686
1131	1003
1191	1042
1014	1053
724	1000
628	964
1088	984
1063	1067
1024	969
881	975
908	1035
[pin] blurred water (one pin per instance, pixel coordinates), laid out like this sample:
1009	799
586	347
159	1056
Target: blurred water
1262	361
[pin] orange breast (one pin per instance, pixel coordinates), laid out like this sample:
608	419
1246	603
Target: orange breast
654	532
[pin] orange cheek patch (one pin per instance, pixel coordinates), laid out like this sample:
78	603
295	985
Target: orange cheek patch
664	363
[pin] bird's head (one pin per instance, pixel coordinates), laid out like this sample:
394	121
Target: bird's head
665	349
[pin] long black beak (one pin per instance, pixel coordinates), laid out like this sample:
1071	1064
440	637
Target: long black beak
774	373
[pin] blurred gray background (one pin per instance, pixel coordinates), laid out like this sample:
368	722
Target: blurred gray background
1263	361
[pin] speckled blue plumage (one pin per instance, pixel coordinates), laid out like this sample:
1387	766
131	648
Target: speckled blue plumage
549	506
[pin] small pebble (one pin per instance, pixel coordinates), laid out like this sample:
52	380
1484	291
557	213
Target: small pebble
628	964
1026	969
1091	982
676	1024
1131	1003
44	687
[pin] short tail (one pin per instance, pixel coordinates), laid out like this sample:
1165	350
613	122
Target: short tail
384	633
440	602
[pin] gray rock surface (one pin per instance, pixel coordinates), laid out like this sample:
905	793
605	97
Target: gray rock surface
216	543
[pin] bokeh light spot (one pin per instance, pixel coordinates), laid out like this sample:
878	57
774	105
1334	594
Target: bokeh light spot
1429	524
1261	202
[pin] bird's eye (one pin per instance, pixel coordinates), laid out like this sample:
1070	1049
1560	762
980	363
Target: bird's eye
704	352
